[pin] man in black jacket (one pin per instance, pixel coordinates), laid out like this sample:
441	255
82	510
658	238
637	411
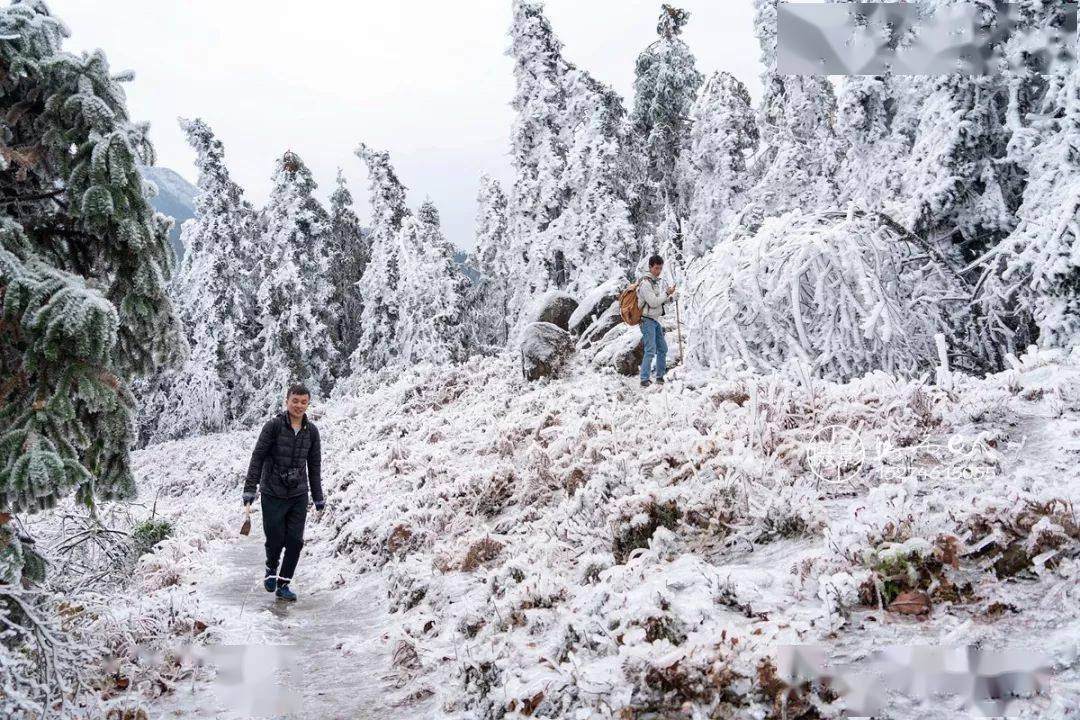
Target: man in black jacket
286	463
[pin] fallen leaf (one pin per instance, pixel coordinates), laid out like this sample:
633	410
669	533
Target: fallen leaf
911	603
529	705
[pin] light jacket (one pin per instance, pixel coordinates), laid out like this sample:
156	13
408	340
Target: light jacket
652	297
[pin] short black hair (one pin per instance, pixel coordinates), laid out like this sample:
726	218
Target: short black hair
298	389
656	260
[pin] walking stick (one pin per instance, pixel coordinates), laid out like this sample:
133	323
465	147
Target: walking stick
678	330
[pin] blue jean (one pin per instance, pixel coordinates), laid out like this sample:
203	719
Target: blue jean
652	335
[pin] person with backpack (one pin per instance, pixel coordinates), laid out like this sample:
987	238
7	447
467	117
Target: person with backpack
286	465
653	295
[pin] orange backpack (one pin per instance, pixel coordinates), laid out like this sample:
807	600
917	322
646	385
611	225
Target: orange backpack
629	307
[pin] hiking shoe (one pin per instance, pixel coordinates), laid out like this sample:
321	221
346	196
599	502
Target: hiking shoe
659	381
270	580
645	383
285	593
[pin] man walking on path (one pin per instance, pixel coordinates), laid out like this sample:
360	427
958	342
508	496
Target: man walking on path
285	464
652	295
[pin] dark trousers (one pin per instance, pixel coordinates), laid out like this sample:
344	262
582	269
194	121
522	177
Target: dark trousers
283	524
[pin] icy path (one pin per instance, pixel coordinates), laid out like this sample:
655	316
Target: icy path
321	657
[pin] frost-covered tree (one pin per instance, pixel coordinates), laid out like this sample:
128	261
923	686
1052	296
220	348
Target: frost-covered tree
349	251
431	294
538	145
841	293
294	343
379	284
592	240
212	294
957	186
1031	284
765	30
960	187
800	153
490	297
876	150
84	262
665	86
723	136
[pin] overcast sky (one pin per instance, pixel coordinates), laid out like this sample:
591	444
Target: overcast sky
427	80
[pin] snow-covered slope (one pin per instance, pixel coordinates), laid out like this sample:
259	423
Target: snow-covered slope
580	548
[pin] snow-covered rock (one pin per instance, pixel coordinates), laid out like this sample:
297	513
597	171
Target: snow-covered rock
600	327
622	349
545	348
595	303
554	307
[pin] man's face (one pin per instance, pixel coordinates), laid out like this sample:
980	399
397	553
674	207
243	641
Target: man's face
297	405
656	269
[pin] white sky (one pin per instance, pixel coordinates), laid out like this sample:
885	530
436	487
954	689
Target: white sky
427	80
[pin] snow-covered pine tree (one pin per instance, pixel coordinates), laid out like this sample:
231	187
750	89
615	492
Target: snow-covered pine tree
957	184
723	135
538	145
1031	284
800	152
431	294
592	241
293	296
799	155
83	266
960	187
490	297
665	86
378	286
349	250
876	152
212	294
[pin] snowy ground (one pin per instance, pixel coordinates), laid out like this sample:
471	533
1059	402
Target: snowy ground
581	548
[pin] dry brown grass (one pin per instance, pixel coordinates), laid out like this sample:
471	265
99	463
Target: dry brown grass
481	552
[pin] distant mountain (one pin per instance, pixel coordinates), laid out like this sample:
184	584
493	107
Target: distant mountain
175	198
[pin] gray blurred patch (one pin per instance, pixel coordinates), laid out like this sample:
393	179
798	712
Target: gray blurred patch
247	680
913	39
989	681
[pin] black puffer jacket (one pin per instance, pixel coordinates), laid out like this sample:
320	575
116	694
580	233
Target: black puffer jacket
279	449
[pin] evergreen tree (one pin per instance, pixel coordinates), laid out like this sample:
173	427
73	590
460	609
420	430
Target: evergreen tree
665	87
875	153
957	185
1031	284
490	297
213	298
293	297
593	240
801	153
723	135
960	187
83	266
431	294
538	145
379	284
349	250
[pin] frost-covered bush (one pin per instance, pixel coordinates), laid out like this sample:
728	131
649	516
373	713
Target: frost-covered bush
147	534
843	293
789	511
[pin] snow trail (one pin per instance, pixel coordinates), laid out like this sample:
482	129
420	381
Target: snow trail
320	657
